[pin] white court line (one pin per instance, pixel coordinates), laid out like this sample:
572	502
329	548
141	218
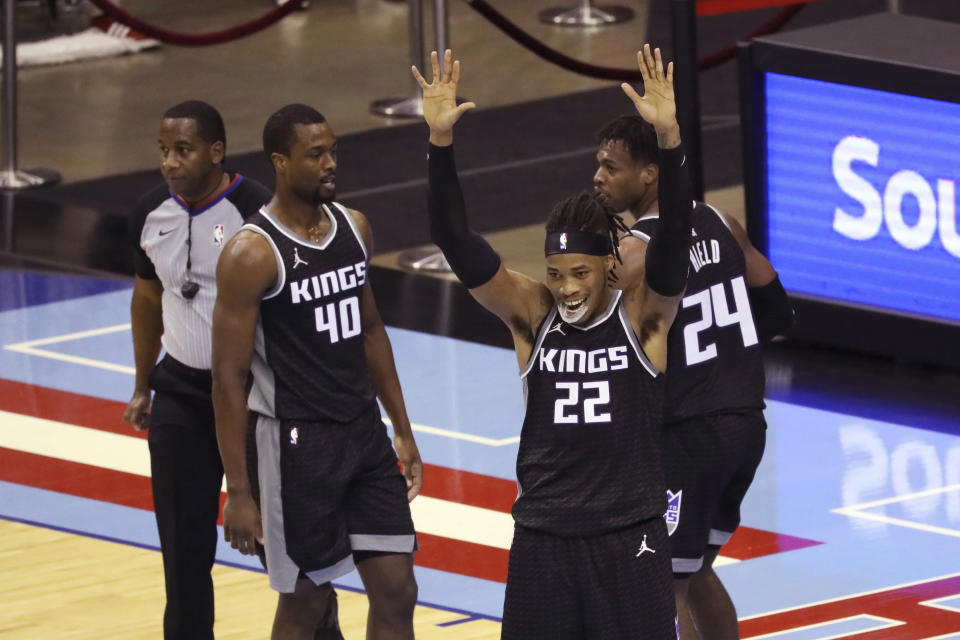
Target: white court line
29	347
861	594
856	511
459	435
903	498
935	603
786	633
90	333
129	454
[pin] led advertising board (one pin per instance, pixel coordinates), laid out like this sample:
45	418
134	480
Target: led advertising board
851	158
861	195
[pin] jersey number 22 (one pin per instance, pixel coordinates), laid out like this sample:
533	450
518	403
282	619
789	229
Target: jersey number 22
592	413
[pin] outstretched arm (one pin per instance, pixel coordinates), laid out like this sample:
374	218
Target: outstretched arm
665	265
666	254
517	300
246	270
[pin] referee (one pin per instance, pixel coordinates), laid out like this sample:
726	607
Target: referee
177	231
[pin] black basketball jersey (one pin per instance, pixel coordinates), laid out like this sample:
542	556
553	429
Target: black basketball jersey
714	359
589	459
309	362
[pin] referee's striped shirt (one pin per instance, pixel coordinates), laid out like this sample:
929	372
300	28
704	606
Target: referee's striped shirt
159	228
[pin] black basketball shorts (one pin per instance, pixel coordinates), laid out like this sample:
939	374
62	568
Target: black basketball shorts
709	463
327	490
606	587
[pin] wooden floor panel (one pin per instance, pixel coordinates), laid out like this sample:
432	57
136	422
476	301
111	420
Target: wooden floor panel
60	585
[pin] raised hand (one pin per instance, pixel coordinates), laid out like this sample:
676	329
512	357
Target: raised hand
657	105
440	108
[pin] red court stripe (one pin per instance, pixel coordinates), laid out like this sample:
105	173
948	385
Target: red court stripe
439	482
106	415
470	488
465	558
131	490
76	479
748	543
898	603
714	7
64	406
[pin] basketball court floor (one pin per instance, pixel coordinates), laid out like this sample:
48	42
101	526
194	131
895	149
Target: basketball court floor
851	529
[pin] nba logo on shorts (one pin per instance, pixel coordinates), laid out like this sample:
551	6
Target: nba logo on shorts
563	241
218	235
294	435
672	516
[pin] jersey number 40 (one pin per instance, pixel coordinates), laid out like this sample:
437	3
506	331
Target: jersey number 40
714	311
342	320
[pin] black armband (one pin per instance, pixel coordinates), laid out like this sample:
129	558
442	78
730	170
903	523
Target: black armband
669	246
771	309
471	257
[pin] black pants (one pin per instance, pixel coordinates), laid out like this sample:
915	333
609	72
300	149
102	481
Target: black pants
187	475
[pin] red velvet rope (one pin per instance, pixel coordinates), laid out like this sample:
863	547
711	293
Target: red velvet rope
197	39
610	73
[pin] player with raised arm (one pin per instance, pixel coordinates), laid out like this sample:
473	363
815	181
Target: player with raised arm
589	555
714	430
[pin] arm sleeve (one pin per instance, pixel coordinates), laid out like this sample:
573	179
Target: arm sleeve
666	262
472	259
771	309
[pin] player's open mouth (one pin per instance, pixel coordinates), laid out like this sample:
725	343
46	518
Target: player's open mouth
573	311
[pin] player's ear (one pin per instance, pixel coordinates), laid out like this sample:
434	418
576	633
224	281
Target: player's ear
651	173
279	162
217	151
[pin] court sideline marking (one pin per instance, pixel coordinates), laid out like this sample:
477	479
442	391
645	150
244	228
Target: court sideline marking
30	347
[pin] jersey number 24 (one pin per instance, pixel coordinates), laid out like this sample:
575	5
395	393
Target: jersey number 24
715	312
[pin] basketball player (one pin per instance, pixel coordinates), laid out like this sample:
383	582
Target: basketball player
713	415
177	232
589	557
324	492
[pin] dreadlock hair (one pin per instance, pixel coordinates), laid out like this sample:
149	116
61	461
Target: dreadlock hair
636	134
589	212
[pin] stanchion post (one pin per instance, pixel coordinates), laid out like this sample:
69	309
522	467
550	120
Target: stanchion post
441	26
586	15
12	179
412	106
431	258
687	87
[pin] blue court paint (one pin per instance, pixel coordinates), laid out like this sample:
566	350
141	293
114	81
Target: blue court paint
19	289
816	461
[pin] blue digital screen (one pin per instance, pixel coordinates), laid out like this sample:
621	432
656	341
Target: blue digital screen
862	201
